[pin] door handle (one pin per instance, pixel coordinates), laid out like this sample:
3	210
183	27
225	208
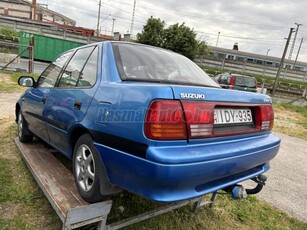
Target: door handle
44	100
77	105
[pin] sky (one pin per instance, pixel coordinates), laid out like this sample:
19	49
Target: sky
257	26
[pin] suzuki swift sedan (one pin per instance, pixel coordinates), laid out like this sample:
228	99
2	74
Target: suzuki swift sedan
146	120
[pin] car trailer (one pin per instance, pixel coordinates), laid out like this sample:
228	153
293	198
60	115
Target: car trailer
57	183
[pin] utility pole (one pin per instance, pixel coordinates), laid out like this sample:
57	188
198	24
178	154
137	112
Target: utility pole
293	43
217	40
34	5
282	61
113	26
265	62
132	19
298	52
98	21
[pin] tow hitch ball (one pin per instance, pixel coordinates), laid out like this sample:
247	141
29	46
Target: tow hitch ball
239	192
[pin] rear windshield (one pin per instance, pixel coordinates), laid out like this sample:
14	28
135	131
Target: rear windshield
245	81
145	63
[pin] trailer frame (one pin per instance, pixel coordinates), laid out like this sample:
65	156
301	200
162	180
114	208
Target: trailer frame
57	183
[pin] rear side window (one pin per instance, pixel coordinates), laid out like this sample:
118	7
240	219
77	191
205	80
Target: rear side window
73	70
89	74
50	75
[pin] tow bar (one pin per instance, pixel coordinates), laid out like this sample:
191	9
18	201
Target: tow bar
239	192
260	180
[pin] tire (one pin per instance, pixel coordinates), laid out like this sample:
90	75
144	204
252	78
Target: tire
87	170
24	134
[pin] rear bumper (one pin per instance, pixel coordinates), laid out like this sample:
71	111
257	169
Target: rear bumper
168	182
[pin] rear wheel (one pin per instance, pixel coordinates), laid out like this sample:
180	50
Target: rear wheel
87	170
24	134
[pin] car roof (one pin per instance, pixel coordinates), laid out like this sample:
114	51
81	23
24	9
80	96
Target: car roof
237	75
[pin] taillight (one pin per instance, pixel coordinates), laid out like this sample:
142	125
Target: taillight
265	116
232	82
199	118
165	121
182	120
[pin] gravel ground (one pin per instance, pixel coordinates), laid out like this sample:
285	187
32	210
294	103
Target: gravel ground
286	187
7	104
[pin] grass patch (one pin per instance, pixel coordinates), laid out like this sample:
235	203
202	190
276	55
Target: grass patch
298	109
9	81
9	88
291	120
17	223
226	214
5	179
16	75
24	206
22	203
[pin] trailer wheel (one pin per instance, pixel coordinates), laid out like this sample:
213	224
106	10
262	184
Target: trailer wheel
87	170
24	134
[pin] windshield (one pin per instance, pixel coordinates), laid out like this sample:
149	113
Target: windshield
145	63
245	81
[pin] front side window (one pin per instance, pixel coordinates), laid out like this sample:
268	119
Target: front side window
73	70
50	75
145	63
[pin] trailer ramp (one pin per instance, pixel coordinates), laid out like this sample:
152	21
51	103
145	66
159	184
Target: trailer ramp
57	183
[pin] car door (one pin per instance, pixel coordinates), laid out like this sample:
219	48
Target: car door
68	102
35	98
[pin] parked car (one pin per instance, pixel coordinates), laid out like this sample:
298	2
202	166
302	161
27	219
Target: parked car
237	81
146	120
212	77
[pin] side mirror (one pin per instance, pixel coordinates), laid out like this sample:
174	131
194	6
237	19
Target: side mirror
26	81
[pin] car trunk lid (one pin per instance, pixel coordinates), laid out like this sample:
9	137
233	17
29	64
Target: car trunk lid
199	112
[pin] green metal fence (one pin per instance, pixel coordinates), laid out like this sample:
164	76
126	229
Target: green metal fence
46	48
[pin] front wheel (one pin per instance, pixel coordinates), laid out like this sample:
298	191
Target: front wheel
87	170
24	134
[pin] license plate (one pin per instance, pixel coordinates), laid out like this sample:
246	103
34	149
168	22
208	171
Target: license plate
232	116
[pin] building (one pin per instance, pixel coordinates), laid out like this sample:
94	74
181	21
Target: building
31	10
50	16
266	60
16	8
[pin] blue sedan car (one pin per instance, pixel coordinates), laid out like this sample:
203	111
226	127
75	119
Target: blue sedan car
146	120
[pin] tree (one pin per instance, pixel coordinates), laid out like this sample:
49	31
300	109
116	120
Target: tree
178	38
202	49
152	33
181	39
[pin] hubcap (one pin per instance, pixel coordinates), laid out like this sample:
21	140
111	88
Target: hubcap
20	125
85	167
